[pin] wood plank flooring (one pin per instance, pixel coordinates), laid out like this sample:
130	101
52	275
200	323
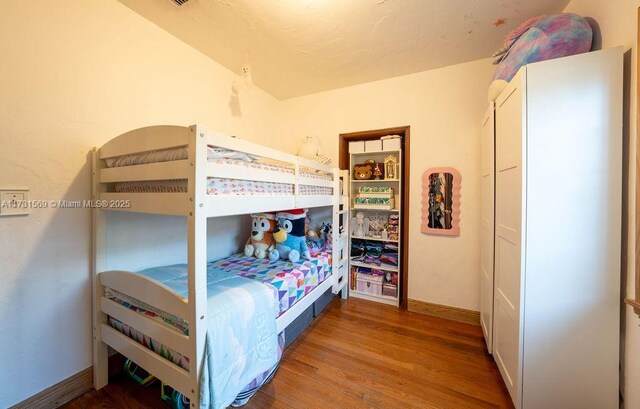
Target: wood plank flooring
360	354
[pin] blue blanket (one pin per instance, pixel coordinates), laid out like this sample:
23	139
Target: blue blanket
241	341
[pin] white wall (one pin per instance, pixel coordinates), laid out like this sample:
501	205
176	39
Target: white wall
617	21
74	74
444	108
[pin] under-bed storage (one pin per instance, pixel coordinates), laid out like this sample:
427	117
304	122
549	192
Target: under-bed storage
322	302
297	327
192	198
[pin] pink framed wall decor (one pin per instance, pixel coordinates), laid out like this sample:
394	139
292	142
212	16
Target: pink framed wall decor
441	201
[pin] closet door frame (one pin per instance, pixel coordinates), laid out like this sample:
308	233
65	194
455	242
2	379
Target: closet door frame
344	160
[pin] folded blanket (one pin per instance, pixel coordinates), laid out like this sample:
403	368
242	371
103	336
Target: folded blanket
241	339
241	342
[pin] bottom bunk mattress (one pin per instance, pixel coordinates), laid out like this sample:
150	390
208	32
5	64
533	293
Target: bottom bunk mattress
288	282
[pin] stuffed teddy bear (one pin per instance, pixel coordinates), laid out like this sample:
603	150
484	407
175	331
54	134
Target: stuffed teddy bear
261	241
363	171
289	235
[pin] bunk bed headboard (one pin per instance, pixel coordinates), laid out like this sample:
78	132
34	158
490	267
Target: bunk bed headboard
150	138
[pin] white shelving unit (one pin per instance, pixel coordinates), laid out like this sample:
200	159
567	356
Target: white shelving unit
380	216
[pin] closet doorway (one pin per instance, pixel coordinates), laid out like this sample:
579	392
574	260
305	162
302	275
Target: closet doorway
344	161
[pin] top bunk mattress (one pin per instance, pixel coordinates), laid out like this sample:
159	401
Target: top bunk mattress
218	186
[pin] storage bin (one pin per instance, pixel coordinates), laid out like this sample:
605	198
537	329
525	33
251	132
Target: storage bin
391	144
390	290
373	203
381	195
373	146
297	327
375	191
321	303
356	147
369	284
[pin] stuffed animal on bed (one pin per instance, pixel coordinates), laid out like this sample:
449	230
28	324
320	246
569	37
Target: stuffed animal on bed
315	246
261	241
289	235
326	234
539	39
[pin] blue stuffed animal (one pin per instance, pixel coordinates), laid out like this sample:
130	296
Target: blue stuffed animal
289	235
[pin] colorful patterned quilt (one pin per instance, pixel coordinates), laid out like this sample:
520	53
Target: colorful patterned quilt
288	281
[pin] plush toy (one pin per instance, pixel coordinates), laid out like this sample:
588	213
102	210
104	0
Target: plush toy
326	234
315	245
289	235
308	231
324	231
360	225
311	149
261	242
540	39
363	171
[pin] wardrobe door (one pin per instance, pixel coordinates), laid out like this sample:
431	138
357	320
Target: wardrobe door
488	202
508	237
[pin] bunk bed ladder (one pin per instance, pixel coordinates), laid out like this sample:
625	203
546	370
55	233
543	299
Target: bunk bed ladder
339	240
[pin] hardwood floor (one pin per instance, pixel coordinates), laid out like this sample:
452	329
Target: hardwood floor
360	354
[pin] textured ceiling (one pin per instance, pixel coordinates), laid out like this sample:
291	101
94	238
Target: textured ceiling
299	47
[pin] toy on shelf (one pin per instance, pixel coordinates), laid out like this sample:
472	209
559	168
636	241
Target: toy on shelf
377	173
392	227
377	224
360	225
391	167
363	171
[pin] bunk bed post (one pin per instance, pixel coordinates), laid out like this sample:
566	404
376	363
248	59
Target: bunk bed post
98	254
197	257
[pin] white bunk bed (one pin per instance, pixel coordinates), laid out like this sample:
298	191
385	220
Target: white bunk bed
187	161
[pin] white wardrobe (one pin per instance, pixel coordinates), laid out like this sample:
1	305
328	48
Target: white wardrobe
551	232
